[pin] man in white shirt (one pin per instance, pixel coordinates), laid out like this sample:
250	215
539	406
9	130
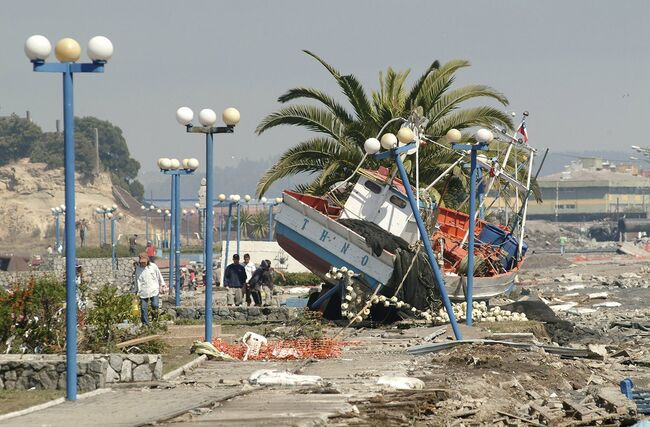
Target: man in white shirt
250	269
148	284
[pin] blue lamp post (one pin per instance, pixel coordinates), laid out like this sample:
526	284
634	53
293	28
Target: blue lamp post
146	211
188	217
208	118
56	213
113	219
68	51
233	200
247	199
483	138
271	203
175	168
104	211
390	143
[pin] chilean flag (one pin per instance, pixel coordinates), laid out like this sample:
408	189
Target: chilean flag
522	130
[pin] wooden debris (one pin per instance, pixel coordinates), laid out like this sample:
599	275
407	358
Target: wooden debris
544	413
526	420
137	341
579	411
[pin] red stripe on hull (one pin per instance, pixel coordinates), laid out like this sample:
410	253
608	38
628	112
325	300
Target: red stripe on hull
310	260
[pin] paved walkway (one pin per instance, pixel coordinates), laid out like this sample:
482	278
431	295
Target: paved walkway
120	407
217	393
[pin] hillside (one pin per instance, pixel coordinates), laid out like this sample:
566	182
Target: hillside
29	190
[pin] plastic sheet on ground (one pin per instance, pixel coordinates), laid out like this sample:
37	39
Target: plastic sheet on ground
274	377
401	383
209	350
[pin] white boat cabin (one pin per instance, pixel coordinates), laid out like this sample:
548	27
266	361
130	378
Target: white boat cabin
374	200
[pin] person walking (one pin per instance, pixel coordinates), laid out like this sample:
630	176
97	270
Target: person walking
563	241
151	251
234	278
133	244
82	232
255	284
148	285
250	269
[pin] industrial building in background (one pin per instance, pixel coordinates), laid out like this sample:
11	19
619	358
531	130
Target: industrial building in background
593	189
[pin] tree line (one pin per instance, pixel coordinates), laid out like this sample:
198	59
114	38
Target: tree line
20	138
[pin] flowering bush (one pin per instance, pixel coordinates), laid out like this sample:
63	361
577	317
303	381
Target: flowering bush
32	316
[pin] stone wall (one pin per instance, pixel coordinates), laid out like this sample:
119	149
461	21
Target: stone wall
249	314
48	371
97	270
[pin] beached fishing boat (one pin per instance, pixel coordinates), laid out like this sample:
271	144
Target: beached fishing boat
368	232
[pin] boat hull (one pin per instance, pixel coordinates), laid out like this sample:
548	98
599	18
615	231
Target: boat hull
316	241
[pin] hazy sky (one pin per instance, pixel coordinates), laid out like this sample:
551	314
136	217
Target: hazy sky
582	68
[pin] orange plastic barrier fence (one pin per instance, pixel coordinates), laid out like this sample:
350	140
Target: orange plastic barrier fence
297	349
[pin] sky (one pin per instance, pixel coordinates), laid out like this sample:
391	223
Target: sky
581	68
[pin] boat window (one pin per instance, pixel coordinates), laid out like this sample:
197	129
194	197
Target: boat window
372	186
398	201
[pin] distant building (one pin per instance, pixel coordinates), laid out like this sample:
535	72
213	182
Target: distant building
593	189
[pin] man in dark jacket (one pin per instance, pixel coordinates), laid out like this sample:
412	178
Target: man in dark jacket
234	278
258	281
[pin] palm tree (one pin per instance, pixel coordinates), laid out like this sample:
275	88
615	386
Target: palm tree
259	225
337	148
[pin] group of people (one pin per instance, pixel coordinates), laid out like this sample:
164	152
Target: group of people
150	250
249	281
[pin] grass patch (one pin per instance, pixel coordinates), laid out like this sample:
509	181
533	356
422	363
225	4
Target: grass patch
15	400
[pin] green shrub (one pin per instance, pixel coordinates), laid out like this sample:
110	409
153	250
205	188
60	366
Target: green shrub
109	309
297	279
32	316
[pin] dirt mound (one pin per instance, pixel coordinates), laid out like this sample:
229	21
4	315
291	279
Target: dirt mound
27	193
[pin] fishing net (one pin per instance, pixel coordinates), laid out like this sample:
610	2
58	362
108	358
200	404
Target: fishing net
419	288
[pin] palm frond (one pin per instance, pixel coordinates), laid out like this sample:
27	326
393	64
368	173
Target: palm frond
304	92
312	118
310	156
451	100
468	117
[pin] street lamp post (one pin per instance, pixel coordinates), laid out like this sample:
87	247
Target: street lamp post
390	143
483	138
271	203
175	168
56	213
146	211
113	218
104	211
208	118
247	199
68	51
233	200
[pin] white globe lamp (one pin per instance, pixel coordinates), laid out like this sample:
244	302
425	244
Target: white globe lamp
231	116
193	164
388	141
454	136
100	48
184	115
405	135
484	135
207	117
37	48
372	146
